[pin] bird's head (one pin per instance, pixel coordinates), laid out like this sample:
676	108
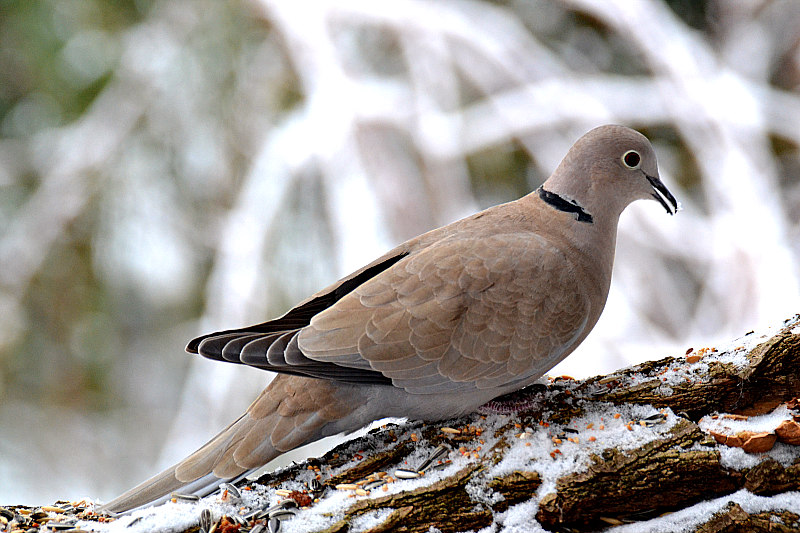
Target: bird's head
607	169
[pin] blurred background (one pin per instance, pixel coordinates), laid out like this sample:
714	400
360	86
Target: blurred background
168	168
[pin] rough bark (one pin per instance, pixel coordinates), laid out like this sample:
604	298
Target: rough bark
621	486
674	472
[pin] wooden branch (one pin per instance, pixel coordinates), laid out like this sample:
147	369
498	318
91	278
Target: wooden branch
681	466
680	469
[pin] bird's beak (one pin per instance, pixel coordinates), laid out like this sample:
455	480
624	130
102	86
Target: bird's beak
662	194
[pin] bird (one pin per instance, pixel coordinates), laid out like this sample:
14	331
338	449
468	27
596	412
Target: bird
435	328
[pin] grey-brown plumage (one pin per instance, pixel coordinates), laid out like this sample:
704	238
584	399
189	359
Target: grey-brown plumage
436	327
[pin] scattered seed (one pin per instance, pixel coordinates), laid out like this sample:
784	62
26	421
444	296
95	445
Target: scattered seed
439	452
205	519
362	492
346	486
51	509
232	490
592	438
617	415
265	512
288	504
452	431
274	525
734	417
283	492
283	514
374	484
402	473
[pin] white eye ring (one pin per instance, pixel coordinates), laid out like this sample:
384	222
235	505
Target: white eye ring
632	159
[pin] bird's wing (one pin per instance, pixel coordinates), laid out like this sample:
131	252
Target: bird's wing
461	314
301	314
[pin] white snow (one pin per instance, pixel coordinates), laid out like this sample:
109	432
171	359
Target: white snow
553	450
736	458
688	519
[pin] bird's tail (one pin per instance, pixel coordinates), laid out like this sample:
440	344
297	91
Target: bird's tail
290	412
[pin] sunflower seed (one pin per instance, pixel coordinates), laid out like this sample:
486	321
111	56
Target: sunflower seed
283	514
265	512
232	490
439	452
258	514
402	473
274	525
374	484
205	519
258	528
185	497
316	487
134	521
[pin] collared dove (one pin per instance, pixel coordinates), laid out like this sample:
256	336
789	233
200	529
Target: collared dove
436	327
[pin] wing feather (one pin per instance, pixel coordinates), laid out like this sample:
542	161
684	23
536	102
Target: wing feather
458	313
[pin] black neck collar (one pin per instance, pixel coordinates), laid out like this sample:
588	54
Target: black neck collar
563	204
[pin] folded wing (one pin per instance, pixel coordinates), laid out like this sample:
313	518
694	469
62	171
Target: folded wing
458	315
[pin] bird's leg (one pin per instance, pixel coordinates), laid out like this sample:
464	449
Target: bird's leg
528	399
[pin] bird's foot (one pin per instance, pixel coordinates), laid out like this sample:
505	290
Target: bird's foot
526	399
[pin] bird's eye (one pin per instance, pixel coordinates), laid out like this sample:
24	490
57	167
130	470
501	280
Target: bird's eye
631	159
